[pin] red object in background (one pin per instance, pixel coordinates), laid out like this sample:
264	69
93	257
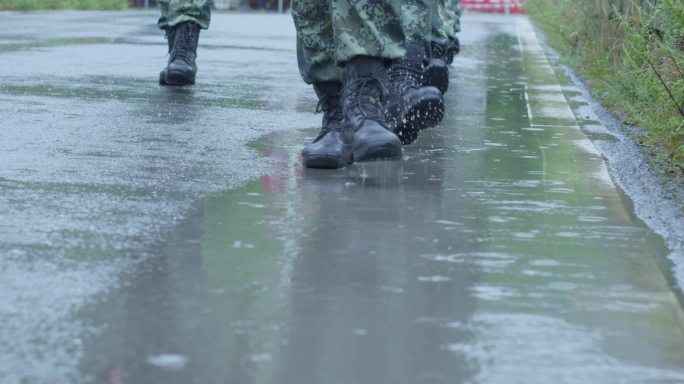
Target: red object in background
496	6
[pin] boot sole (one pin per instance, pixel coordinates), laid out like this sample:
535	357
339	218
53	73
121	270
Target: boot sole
426	114
176	78
328	161
382	150
325	161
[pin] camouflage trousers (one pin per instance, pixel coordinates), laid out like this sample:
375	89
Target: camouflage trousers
174	12
331	32
446	19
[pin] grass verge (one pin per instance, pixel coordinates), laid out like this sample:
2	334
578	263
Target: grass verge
631	52
26	5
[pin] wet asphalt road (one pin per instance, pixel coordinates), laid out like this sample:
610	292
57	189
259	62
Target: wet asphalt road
159	235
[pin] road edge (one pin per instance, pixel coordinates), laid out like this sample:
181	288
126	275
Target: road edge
658	206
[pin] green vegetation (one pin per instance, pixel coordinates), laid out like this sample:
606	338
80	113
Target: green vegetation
632	54
25	5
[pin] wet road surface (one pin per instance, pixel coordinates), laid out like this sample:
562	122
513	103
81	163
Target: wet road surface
157	235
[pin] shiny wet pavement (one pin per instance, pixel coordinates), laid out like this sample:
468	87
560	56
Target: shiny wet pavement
155	235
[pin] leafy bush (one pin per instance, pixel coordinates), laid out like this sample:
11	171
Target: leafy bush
632	54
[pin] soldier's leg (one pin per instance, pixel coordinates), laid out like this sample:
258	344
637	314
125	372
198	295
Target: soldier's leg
455	6
342	46
446	20
445	24
451	27
315	41
316	60
416	20
437	71
414	104
441	20
182	20
174	12
368	34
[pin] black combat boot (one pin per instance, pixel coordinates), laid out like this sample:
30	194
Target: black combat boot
328	150
453	48
364	96
437	71
183	39
412	106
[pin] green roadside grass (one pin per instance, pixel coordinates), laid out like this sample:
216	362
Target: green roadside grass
26	5
632	57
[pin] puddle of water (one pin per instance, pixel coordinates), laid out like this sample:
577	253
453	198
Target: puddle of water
332	278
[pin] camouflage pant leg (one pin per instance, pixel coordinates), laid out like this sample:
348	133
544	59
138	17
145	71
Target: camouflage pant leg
368	28
315	40
174	12
331	32
446	17
455	6
440	22
416	19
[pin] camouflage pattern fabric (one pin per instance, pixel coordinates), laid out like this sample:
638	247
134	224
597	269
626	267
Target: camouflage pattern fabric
367	27
331	32
446	19
316	52
416	19
455	6
174	12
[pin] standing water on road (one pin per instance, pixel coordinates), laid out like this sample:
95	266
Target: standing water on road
497	251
